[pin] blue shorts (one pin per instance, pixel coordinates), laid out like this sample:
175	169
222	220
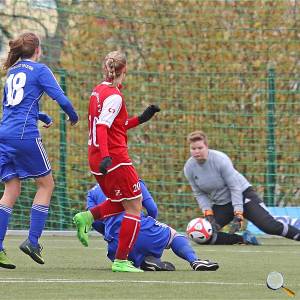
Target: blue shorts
152	239
23	159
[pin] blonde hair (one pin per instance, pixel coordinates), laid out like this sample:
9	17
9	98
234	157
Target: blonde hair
22	47
197	136
113	66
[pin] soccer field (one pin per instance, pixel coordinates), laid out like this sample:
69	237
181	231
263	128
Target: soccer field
74	272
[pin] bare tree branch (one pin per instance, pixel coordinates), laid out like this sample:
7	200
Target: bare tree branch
27	18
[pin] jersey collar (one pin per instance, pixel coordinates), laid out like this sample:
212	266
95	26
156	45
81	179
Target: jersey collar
119	87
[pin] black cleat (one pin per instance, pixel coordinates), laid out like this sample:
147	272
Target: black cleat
33	252
152	263
204	265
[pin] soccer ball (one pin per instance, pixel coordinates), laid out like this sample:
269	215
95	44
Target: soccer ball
199	230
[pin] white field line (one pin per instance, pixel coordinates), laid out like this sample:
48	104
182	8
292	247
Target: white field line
79	247
18	239
62	233
75	281
251	249
109	281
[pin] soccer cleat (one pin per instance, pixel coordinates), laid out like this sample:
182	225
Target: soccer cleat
152	263
204	265
124	266
250	239
32	251
5	262
83	222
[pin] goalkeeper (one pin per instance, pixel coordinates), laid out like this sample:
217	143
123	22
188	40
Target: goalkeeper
153	239
225	195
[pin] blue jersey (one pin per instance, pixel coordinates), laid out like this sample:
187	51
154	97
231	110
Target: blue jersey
25	84
152	238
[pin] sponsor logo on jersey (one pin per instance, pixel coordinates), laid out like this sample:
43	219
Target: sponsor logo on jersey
118	193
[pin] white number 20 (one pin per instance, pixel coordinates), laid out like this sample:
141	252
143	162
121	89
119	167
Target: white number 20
15	91
136	187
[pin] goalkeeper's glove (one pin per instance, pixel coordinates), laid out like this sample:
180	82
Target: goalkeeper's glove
105	163
209	216
149	112
237	222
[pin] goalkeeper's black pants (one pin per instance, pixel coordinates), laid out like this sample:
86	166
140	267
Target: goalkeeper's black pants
256	212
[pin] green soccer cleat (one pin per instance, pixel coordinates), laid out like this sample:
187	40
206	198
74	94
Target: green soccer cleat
5	262
83	222
124	266
32	251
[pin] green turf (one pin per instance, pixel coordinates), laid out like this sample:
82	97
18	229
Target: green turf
74	272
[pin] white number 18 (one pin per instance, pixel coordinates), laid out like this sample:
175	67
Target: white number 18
15	91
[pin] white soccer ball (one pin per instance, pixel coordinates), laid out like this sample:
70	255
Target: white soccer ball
199	230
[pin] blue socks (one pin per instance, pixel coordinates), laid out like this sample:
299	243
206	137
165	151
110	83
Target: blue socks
182	248
38	217
5	213
39	214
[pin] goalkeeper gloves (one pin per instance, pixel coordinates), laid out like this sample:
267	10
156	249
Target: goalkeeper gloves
209	216
149	112
237	222
105	163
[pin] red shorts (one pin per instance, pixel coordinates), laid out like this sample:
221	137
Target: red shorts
120	184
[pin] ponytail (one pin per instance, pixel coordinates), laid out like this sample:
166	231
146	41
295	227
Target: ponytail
22	47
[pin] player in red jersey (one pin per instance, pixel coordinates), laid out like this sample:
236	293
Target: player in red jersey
109	160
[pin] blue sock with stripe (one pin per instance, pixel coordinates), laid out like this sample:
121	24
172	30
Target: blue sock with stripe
38	217
5	213
182	248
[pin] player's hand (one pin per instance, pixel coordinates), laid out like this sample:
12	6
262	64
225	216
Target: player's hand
73	123
148	113
105	163
74	120
48	125
209	216
215	226
237	222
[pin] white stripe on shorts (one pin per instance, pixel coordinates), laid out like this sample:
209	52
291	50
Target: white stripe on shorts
115	167
43	153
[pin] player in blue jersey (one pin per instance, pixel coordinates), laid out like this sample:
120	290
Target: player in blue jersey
22	154
154	237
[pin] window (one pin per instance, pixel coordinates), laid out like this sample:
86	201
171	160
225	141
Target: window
43	4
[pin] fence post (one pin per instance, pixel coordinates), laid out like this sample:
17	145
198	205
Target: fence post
269	196
64	205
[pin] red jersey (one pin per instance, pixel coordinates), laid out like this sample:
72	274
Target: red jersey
107	107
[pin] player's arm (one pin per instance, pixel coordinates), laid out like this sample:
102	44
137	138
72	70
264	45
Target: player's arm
204	202
53	90
148	113
148	202
46	119
231	179
201	197
110	109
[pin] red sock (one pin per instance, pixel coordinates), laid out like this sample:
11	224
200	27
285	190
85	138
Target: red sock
106	209
129	231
